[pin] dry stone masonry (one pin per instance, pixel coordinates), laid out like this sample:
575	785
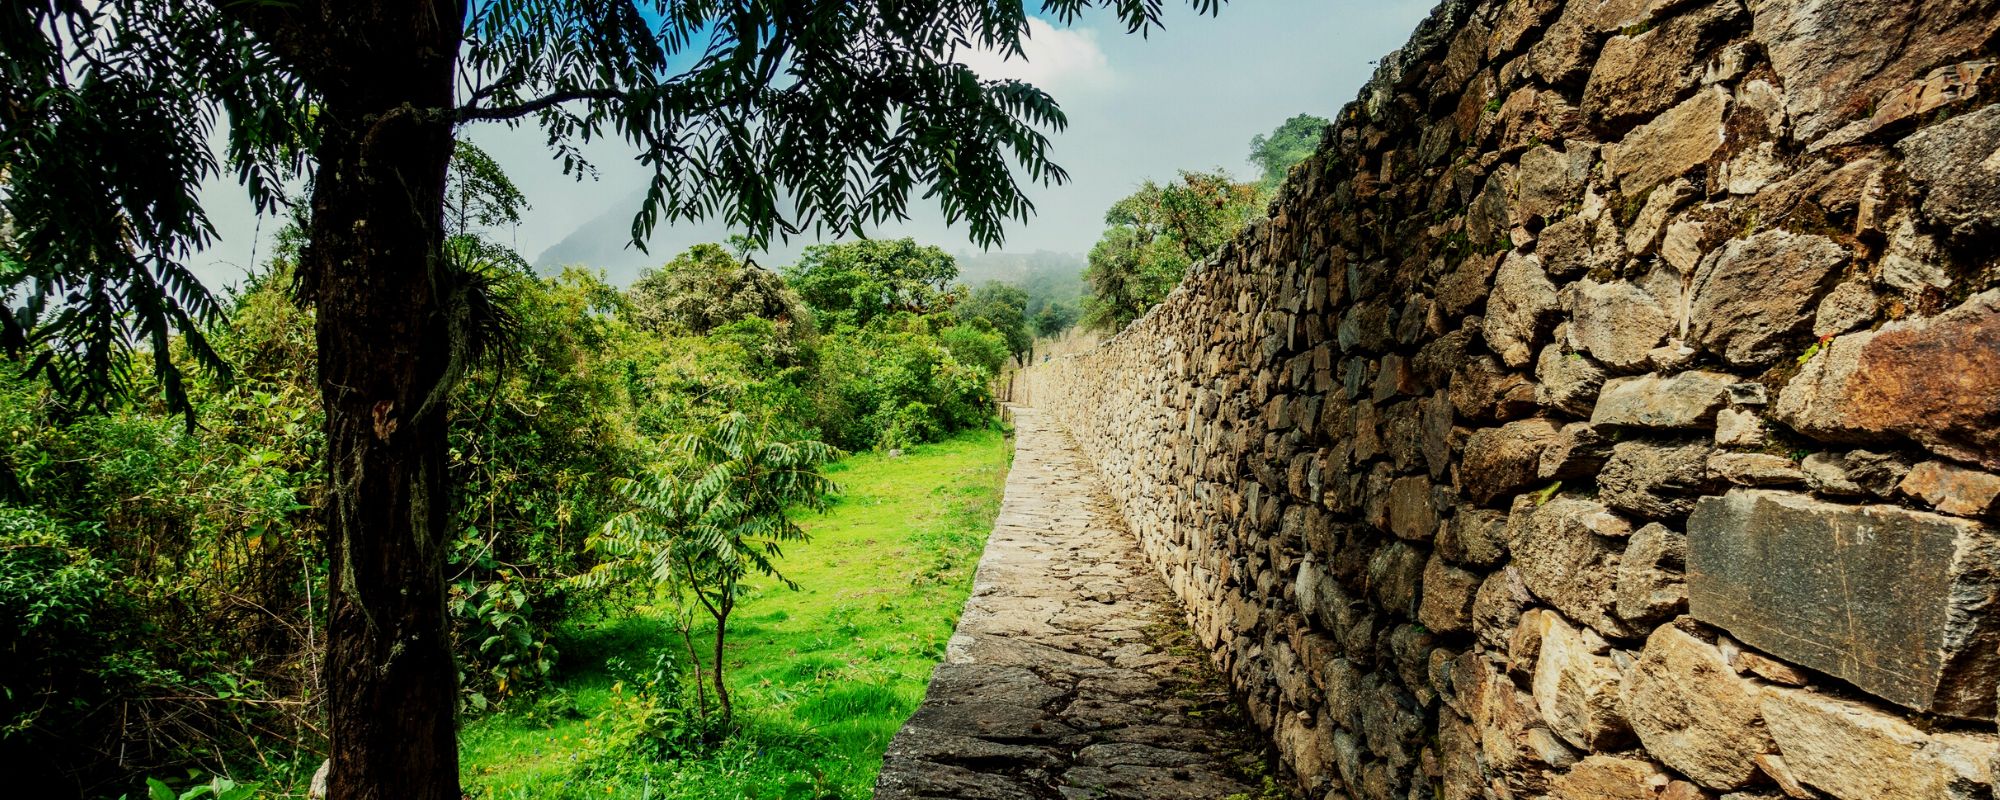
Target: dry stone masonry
1610	409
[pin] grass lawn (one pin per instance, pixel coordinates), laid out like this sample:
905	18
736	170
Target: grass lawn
822	677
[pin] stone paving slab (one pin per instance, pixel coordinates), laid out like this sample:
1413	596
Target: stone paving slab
1071	675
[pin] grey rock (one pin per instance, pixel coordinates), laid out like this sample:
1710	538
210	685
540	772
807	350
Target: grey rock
1735	427
1828	53
1957	165
1686	400
1654	481
1856	473
1520	310
1754	294
1764	565
1850	305
1652	580
1567	381
1617	323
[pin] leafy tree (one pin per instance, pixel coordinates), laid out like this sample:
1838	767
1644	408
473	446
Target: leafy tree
706	288
1293	141
776	117
1054	319
478	194
714	514
857	282
1155	234
1002	309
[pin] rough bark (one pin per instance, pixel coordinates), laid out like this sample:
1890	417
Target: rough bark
376	274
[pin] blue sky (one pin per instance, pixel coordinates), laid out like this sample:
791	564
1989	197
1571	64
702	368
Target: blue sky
1187	97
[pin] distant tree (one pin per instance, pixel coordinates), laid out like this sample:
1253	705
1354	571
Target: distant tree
706	287
1155	234
1293	141
856	282
1002	309
478	194
775	116
1054	319
717	512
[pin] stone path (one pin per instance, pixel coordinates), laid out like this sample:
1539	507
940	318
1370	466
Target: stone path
1071	675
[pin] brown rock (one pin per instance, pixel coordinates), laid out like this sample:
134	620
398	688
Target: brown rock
1496	609
1755	294
1693	713
1484	391
1475	537
1686	400
1412	514
1576	687
1652	580
1550	179
1501	461
1447	597
1567	554
1934	380
1602	777
1953	489
1850	305
1669	145
1764	565
1578	452
1836	57
1854	752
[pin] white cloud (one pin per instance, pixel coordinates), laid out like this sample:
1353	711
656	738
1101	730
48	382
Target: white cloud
1057	60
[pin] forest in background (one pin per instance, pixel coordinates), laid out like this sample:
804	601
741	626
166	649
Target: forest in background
162	576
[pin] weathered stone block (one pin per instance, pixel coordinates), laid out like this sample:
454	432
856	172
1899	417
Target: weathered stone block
1566	553
1903	604
1576	687
1687	400
1693	713
1756	293
1501	461
1672	143
1855	752
1934	380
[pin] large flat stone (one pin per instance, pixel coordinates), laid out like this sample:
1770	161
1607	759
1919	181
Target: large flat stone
1856	752
1904	605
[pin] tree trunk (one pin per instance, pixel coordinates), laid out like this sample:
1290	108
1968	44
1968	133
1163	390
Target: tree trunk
721	688
376	274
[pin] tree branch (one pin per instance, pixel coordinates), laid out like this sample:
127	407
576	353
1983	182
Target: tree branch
469	113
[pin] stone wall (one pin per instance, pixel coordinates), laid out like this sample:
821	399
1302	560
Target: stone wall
1611	409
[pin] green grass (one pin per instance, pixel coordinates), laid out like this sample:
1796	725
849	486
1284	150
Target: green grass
822	677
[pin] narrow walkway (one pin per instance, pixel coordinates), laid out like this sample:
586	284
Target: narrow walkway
1071	675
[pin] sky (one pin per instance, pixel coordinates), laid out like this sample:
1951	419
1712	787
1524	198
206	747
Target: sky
1186	97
